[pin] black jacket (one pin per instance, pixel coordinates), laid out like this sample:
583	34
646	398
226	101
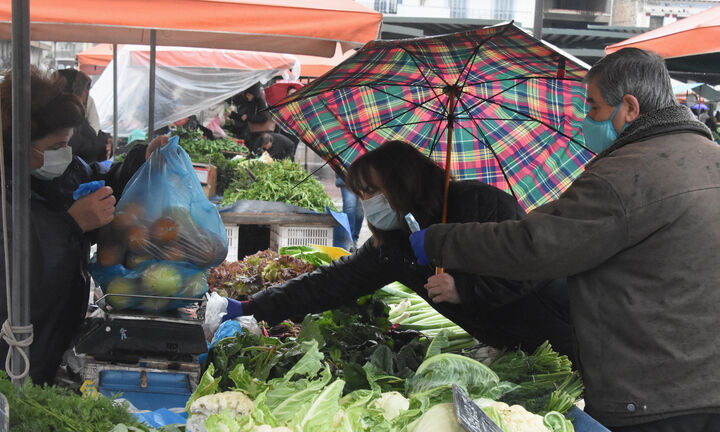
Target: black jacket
498	312
87	144
59	255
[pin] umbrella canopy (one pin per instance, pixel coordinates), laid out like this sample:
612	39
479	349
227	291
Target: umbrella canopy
286	26
688	45
514	103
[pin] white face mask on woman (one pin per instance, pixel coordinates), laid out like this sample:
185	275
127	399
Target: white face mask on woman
55	162
379	213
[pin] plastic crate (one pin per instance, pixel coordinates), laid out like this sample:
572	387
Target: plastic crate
232	232
281	236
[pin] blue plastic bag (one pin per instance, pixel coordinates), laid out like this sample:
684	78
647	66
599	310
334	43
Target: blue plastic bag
164	236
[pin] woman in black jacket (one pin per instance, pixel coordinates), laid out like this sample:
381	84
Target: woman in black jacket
394	180
61	227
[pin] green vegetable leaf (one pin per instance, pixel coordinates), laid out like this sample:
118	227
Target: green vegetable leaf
310	331
447	369
320	416
438	343
208	385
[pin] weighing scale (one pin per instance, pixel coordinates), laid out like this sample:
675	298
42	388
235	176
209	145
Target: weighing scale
152	359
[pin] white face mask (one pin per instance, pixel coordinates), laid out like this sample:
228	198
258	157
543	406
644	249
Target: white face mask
379	213
55	162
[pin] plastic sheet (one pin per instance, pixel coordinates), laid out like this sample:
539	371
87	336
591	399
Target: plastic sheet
187	80
165	234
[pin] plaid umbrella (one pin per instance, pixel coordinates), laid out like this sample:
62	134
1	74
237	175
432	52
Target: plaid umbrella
493	104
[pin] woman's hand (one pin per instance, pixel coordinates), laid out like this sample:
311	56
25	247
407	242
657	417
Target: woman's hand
441	288
94	210
159	141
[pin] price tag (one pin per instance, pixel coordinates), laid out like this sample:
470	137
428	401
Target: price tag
470	416
88	389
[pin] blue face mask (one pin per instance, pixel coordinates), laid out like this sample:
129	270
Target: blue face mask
379	213
599	135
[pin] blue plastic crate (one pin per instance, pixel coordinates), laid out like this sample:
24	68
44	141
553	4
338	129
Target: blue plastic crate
163	389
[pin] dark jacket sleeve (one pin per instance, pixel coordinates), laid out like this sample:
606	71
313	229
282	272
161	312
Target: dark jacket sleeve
120	173
328	287
485	203
260	114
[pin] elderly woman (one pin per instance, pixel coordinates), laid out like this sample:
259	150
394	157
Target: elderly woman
396	179
61	228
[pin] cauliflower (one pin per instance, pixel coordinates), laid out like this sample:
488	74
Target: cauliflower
518	419
236	402
392	404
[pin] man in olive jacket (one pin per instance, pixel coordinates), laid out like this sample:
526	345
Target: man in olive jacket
638	237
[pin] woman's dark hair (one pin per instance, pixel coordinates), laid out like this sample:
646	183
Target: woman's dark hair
412	181
76	82
51	109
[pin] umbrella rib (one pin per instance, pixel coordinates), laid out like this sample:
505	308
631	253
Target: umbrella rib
417	105
436	140
493	96
492	150
524	115
422	73
389	120
471	59
337	118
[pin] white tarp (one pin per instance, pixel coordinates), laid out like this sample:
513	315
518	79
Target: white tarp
187	80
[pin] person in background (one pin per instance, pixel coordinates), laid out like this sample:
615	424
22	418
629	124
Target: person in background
85	141
396	179
61	227
249	108
278	146
637	235
353	209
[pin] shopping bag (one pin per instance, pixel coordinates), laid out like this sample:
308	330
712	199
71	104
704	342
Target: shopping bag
164	236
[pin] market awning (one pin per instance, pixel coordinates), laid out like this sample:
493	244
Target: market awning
94	60
701	89
689	45
296	26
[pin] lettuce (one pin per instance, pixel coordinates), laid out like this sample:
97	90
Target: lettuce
444	370
208	385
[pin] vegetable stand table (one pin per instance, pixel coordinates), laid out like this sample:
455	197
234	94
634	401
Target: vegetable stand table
249	232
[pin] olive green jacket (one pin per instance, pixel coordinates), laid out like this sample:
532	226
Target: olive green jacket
638	236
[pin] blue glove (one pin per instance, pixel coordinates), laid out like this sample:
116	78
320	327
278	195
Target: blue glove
87	188
234	309
417	241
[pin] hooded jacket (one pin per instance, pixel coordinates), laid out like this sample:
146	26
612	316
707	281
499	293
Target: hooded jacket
638	236
59	255
494	311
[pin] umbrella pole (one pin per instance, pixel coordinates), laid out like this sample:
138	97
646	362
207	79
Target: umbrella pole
452	94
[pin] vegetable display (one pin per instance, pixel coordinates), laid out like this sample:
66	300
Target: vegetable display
240	279
48	408
308	396
282	181
410	311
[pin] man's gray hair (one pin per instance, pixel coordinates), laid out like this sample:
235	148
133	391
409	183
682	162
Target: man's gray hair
636	72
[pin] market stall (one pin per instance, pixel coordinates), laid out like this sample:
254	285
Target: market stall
339	370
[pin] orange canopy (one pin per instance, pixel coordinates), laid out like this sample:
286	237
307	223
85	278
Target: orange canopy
94	60
696	34
289	26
